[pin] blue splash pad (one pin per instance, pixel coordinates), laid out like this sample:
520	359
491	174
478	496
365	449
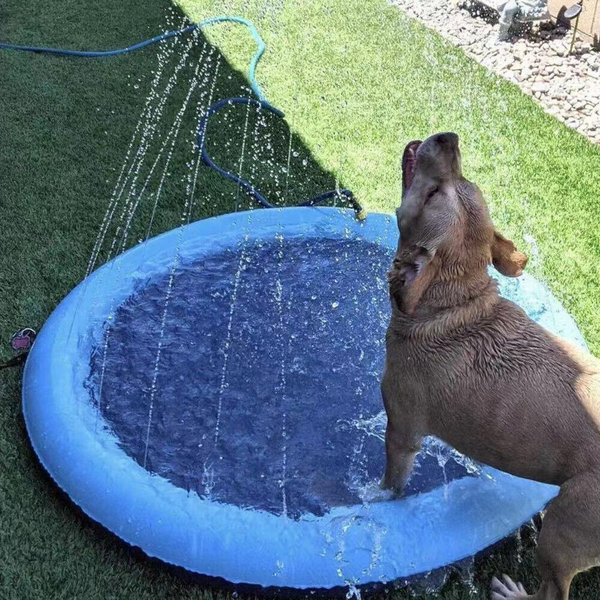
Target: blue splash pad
275	416
253	451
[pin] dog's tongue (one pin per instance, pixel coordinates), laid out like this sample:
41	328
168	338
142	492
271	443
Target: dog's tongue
409	160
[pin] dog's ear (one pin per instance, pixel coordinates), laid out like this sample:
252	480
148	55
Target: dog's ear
410	278
505	256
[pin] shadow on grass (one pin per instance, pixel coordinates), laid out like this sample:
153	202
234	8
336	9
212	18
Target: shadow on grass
67	124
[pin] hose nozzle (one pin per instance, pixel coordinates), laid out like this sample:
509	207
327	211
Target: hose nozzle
361	213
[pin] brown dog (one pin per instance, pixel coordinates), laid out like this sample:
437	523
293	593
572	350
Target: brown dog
473	369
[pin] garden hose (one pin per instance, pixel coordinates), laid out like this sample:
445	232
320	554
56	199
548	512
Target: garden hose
261	102
343	194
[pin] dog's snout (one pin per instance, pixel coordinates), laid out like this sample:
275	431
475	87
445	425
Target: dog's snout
447	139
440	144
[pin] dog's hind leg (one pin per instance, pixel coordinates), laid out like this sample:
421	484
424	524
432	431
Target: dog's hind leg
402	442
569	541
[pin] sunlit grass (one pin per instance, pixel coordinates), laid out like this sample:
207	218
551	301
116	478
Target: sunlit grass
357	81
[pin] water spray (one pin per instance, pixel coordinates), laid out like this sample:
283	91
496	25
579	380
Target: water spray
344	195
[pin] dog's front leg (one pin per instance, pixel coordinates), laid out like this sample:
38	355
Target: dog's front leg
400	457
402	442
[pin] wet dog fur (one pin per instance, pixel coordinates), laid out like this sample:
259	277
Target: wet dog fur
470	367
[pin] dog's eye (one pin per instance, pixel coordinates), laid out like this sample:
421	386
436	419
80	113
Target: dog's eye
432	193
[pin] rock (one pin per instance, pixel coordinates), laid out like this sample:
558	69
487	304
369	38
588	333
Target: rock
526	73
540	86
567	86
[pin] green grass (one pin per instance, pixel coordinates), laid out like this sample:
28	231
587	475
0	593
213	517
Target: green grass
357	80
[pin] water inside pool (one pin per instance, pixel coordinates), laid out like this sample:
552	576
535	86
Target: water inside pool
267	390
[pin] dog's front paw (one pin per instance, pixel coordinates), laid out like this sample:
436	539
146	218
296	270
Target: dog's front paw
395	490
507	589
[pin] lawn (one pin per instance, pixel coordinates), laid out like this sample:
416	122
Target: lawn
357	80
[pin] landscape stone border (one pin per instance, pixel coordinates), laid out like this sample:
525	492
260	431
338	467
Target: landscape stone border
538	61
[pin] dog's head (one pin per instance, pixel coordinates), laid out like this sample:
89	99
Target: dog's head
445	227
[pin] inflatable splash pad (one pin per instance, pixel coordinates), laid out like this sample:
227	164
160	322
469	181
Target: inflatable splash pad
212	397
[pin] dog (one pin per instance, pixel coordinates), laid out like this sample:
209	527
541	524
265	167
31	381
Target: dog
470	367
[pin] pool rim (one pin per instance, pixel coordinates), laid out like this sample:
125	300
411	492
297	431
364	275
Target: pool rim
149	512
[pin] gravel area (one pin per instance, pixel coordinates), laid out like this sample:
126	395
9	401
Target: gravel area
567	87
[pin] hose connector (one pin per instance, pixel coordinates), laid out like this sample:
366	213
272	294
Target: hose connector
361	213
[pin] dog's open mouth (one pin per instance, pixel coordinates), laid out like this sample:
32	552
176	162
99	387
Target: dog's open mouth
409	161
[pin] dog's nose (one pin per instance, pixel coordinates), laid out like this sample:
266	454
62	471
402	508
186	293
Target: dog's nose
447	139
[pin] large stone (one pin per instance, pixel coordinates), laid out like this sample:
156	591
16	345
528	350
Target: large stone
591	122
527	73
558	94
540	86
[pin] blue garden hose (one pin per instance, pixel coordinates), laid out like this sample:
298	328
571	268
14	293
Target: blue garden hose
261	102
250	189
163	36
